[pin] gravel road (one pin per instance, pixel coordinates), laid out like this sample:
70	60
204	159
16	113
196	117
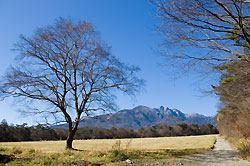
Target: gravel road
221	155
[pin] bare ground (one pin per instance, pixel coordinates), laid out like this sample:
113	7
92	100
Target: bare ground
221	155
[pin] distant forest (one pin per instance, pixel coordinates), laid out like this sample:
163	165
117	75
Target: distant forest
10	133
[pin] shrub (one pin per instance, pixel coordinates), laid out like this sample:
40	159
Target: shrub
17	150
3	149
31	151
117	154
244	148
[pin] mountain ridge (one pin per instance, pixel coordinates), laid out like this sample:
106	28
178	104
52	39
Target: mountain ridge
143	116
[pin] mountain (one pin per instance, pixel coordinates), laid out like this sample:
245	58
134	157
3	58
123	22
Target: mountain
200	119
143	116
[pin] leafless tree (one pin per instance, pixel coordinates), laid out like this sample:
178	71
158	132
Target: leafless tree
207	32
68	67
213	35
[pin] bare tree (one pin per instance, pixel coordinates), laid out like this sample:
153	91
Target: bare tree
207	32
213	35
68	67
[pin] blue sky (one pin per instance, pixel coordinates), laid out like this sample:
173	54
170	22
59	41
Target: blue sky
128	26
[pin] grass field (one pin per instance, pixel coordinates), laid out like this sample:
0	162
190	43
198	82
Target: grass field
184	142
109	150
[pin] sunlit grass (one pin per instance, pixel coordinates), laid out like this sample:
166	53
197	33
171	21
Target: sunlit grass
160	143
242	146
106	150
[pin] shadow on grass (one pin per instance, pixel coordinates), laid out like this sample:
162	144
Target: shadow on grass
74	149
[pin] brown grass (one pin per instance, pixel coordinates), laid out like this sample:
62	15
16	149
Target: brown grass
102	145
105	151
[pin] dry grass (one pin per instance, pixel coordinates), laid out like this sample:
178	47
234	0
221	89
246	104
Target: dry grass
105	151
243	147
102	145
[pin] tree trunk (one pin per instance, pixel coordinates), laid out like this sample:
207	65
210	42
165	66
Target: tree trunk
71	135
70	139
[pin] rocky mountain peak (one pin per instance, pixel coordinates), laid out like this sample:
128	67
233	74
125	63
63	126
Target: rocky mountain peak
142	116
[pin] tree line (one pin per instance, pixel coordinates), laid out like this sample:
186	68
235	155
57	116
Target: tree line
14	133
234	114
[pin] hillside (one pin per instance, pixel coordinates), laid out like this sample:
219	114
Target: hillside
142	116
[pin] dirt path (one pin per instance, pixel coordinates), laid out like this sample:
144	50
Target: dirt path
222	155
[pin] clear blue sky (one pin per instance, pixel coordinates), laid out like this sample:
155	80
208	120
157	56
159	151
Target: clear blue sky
126	25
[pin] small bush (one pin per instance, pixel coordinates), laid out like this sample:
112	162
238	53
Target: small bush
244	149
17	150
3	149
117	154
31	151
